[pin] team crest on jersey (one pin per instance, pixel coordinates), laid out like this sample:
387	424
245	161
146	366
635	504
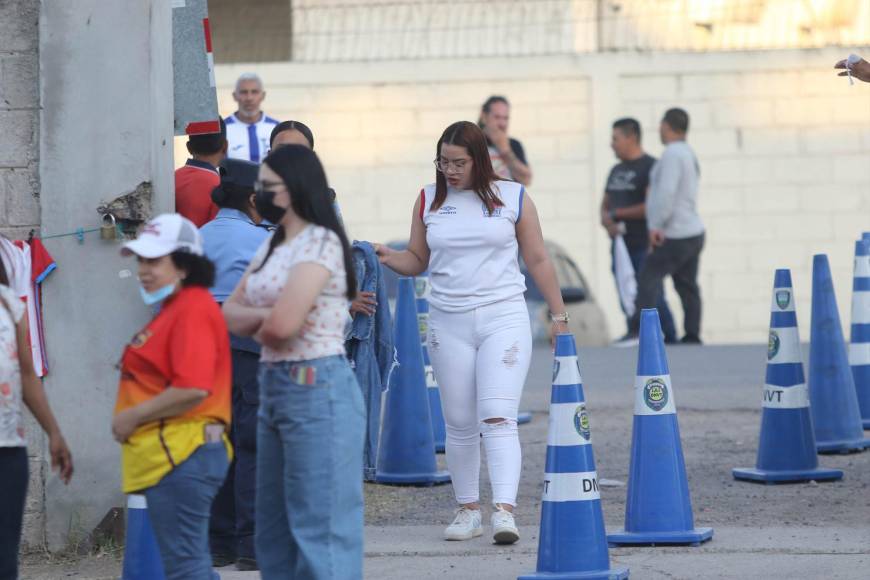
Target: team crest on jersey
140	339
783	299
496	211
447	210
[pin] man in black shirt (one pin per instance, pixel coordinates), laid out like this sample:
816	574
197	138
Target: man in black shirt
507	154
623	209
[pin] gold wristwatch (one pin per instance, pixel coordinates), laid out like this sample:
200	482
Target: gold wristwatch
559	317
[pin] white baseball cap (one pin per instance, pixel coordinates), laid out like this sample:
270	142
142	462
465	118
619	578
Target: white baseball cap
167	233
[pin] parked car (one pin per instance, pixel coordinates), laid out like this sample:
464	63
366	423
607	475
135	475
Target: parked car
587	319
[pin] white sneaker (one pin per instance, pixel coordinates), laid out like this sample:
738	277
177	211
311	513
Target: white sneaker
504	529
466	525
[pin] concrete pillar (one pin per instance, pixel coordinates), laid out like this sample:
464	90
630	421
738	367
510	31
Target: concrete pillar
106	87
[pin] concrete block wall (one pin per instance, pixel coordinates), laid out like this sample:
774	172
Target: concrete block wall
19	186
19	117
784	147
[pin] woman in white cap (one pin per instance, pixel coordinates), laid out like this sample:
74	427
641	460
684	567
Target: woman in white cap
173	407
467	230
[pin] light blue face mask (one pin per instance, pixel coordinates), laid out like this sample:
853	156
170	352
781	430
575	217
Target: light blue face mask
159	295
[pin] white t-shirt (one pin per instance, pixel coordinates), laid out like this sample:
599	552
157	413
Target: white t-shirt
11	423
249	142
323	332
473	255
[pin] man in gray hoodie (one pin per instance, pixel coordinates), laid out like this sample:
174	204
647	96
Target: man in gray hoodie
676	231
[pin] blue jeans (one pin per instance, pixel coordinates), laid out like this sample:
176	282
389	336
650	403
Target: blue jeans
309	472
231	531
669	330
179	508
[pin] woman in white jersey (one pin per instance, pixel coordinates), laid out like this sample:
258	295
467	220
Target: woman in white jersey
467	229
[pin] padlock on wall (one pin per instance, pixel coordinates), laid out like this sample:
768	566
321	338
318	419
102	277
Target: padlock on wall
109	228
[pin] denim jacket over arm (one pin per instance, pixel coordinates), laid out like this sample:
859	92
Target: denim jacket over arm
369	340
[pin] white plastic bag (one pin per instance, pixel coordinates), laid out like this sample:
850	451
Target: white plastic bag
626	283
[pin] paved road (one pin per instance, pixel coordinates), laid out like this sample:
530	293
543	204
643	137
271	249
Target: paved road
791	531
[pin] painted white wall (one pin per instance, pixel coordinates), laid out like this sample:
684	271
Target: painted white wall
106	92
784	147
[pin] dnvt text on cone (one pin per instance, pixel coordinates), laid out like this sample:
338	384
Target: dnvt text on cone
406	454
572	542
833	400
658	507
787	446
859	347
141	554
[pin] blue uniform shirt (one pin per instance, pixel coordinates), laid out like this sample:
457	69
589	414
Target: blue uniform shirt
230	241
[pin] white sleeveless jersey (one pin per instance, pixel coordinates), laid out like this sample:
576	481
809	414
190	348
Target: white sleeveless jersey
473	255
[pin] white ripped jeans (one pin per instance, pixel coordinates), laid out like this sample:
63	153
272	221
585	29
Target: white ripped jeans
481	359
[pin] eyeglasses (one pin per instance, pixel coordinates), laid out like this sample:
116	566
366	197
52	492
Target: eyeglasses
444	165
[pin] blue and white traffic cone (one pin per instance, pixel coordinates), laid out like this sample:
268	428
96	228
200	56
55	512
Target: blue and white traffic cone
141	554
859	346
658	507
833	399
787	446
572	542
406	454
439	431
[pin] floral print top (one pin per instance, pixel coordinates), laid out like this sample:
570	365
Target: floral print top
323	333
11	422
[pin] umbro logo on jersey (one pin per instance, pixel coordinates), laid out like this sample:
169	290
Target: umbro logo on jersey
239	146
447	210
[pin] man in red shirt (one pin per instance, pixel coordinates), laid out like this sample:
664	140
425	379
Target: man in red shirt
195	181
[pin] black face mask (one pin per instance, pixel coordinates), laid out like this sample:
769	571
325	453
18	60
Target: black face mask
264	201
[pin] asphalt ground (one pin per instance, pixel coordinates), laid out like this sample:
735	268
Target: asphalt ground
806	530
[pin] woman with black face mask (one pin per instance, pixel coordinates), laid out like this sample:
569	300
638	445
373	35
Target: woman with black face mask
293	301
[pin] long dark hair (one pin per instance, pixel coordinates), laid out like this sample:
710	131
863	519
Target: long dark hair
468	135
4	277
303	175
